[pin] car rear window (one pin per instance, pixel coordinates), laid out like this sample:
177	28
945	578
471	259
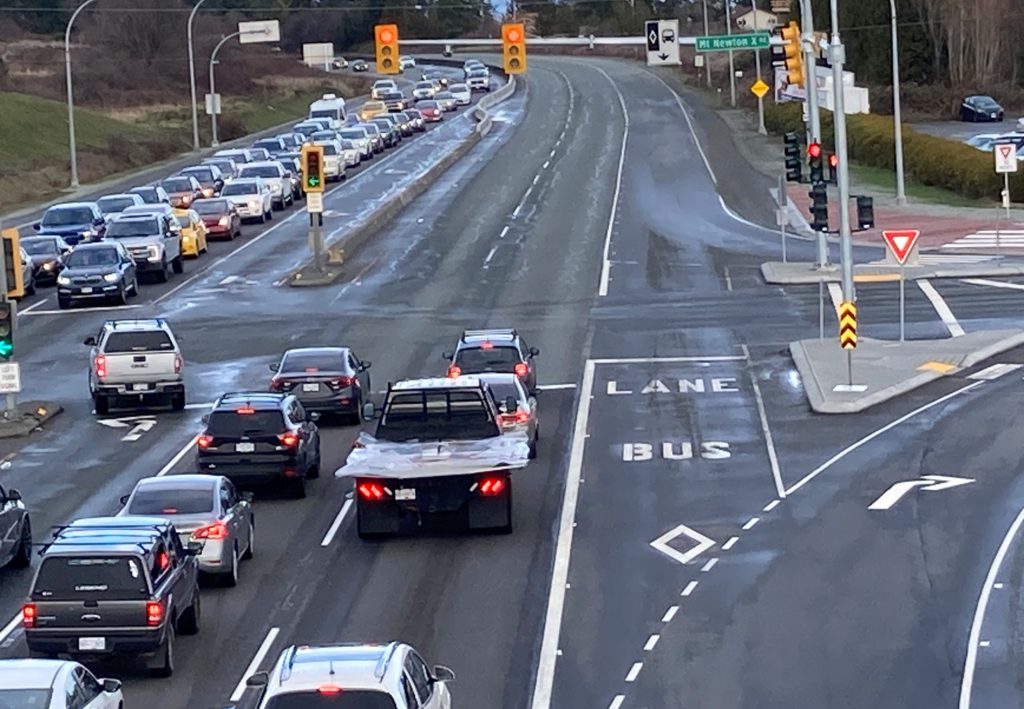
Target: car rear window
90	577
109	205
201	174
142	341
64	216
502	390
345	699
436	415
495	359
211	206
231	424
262	171
177	184
312	362
25	698
170	501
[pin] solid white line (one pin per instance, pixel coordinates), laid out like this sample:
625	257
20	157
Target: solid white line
750	523
669	360
177	456
992	284
771	505
872	436
336	525
730	544
995	371
199	405
971	660
504	230
78	311
634	671
13	625
32	307
256	660
553	387
617	701
602	289
686	115
670	614
939	303
563	548
728	280
835	291
690	587
651	642
710	565
773	458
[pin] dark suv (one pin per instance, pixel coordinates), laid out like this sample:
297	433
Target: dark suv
114	586
260	437
496	350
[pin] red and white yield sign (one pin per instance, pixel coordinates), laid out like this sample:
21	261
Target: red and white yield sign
901	242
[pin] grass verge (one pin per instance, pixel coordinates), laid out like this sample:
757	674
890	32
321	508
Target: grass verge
886	179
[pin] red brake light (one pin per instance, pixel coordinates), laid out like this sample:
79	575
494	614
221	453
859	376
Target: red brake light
177	364
522	370
28	615
492	486
454	371
312	370
245	411
371	491
487	346
101	366
154	613
345	381
522	417
204	441
276	384
217	530
288	439
329	689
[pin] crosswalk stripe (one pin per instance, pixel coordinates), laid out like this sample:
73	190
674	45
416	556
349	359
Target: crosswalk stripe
995	371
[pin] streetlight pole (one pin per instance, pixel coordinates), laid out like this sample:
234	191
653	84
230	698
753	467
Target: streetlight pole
213	89
707	64
813	110
192	76
732	58
71	96
837	58
757	62
897	111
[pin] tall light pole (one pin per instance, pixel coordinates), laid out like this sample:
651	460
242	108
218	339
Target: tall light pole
213	90
813	109
897	111
732	58
71	95
837	58
707	64
192	76
757	63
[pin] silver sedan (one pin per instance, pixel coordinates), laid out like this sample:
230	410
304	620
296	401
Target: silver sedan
521	416
203	508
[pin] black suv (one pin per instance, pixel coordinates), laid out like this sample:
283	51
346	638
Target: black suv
114	586
496	350
260	437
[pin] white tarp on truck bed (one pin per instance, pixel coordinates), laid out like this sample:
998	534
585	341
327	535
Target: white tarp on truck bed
383	459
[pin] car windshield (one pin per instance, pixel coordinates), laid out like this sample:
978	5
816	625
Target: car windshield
392	95
323	135
231	424
478	74
239	188
200	173
177	184
211	206
160	500
425	85
112	205
330	113
427	104
127	228
138	341
493	359
148	194
262	171
84	578
330	149
89	258
25	698
444	94
348	145
66	216
40	247
458	87
312	362
435	416
987	102
345	699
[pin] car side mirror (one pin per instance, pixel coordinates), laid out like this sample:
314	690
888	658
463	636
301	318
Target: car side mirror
534	352
13	496
194	548
443	674
510	404
257	679
206	418
313	416
274	367
248	497
369	413
37	226
363	366
124	499
91	341
447	356
218	184
111	686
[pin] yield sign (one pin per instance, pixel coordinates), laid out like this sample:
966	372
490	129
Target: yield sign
901	242
1006	158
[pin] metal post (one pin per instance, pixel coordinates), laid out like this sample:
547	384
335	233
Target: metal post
902	305
707	64
732	58
821	309
213	90
757	63
901	187
837	52
316	240
813	110
10	400
71	95
849	368
780	200
192	76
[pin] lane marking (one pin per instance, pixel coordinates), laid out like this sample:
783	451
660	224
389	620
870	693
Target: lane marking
552	153
336	525
651	642
544	686
504	230
254	665
875	434
670	614
536	178
771	506
178	456
32	307
728	279
602	289
617	701
546	163
515	212
710	565
669	360
13	625
762	413
77	311
995	371
970	662
199	405
690	587
693	132
730	544
555	387
991	284
941	307
750	523
490	255
835	291
634	671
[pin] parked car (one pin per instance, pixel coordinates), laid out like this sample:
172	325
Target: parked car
75	221
220	217
339	63
981	109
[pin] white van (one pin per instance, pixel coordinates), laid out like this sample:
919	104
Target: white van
330	107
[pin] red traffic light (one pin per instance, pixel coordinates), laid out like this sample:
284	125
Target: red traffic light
833	160
814	150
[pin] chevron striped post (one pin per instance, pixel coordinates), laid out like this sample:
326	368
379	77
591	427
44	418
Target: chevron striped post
848	334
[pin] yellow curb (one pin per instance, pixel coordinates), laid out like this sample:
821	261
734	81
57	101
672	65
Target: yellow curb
940	367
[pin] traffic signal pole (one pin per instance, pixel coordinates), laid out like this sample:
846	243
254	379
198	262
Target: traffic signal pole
813	112
10	399
837	58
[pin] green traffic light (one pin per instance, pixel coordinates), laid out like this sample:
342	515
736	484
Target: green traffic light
313	181
6	349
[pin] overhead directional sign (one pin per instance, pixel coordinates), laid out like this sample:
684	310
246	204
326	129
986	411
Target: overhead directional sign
726	42
662	42
683	557
759	88
1006	157
931	483
901	242
848	325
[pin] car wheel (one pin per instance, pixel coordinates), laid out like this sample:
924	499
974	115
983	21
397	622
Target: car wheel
178	264
270	214
250	551
166	666
135	286
190	620
102	404
122	296
23	557
230	579
30	289
533	448
164	274
63	303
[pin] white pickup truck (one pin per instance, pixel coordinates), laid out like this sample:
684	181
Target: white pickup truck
135	362
438	450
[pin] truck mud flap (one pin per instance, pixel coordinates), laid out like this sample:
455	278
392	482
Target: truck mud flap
377	520
492	513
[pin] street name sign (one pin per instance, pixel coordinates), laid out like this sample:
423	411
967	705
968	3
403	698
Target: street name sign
727	42
1006	158
662	42
10	378
259	31
901	242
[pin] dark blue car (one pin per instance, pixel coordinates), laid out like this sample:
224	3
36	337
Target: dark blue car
75	221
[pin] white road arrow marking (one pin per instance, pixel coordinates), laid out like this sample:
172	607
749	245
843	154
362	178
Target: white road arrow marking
141	427
112	423
703	544
932	483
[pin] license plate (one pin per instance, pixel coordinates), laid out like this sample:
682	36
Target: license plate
245	447
310	387
92	644
405	493
140	387
87	289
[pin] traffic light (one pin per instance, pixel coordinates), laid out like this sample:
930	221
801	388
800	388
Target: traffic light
513	45
794	165
792	55
865	212
313	168
817	168
12	262
833	169
819	206
6	329
386	41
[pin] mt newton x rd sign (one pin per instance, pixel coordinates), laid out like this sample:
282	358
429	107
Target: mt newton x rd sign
726	42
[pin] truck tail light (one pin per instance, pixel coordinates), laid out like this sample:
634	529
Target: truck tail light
371	491
28	615
204	441
492	486
454	371
276	384
288	439
177	364
517	417
217	530
101	366
522	370
154	613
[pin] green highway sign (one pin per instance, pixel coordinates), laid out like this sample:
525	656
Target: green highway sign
725	42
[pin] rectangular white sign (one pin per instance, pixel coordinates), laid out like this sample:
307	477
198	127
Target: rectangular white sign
1006	157
315	203
259	31
10	378
662	42
212	104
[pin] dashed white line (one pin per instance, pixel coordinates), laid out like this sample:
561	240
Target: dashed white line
771	505
336	525
670	614
634	671
690	587
750	523
552	153
504	230
941	307
256	660
728	279
490	255
984	643
731	543
651	642
553	387
995	371
602	289
617	701
709	565
992	284
536	178
515	212
546	163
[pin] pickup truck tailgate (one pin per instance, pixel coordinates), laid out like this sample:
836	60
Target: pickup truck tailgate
141	367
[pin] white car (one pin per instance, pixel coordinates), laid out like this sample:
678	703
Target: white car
462	93
391	675
478	80
406	63
350	153
272	173
423	90
55	684
381	87
361	138
334	159
251	197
